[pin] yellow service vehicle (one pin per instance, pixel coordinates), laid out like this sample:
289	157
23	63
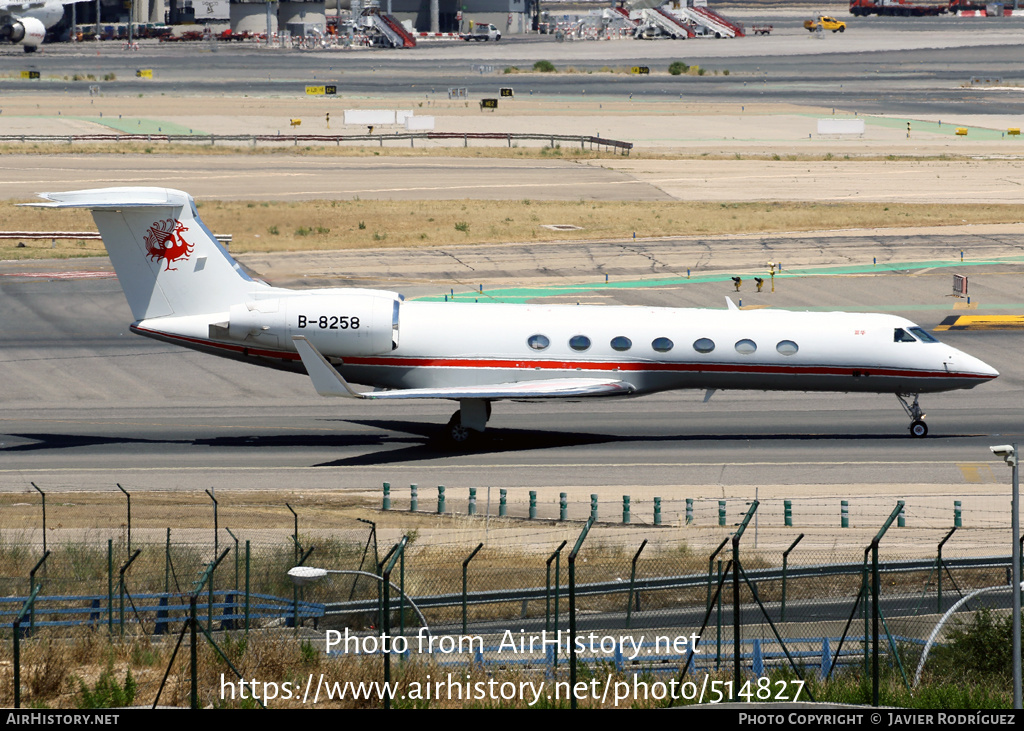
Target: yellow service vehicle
825	22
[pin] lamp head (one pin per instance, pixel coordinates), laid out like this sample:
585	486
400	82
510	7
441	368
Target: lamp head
302	575
1007	452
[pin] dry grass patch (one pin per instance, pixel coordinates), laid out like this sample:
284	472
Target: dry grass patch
356	224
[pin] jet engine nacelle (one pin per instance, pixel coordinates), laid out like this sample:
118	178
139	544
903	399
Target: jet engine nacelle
29	32
338	325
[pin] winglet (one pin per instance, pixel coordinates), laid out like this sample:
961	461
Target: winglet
730	303
326	380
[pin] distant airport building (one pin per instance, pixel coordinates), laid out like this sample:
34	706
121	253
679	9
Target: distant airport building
254	16
508	16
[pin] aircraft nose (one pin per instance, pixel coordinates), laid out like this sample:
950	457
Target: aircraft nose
975	366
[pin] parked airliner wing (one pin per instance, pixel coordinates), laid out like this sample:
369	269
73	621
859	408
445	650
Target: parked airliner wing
328	382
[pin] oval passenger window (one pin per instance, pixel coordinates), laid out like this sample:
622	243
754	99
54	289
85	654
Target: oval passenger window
787	347
662	345
621	343
579	342
746	347
704	345
538	342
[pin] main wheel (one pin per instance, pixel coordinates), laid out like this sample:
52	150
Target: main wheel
918	429
459	434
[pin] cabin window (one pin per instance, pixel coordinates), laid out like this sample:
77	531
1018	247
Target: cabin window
704	345
662	345
621	343
900	335
746	346
579	342
923	335
787	347
538	342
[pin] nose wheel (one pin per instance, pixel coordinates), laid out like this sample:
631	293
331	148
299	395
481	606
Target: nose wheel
918	428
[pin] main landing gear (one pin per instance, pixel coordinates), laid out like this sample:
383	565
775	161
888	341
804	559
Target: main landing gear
917	426
468	423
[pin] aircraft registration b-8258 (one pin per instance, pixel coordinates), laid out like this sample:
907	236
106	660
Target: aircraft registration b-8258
184	288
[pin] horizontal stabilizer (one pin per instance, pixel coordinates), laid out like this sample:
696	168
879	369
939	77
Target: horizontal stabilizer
328	382
114	198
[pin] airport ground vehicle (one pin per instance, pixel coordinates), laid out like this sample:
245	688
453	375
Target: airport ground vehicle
909	7
482	32
825	22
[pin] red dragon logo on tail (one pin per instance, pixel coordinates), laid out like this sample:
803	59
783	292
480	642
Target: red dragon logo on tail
164	241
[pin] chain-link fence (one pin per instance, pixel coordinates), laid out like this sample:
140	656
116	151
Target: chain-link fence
682	598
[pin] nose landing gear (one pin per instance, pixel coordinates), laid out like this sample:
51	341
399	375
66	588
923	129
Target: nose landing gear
918	428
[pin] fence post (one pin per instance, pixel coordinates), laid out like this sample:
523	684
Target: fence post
110	586
736	646
957	514
875	588
120	588
414	498
785	562
563	506
901	521
502	503
128	495
31	585
632	583
440	499
844	514
572	601
465	575
625	509
711	566
472	501
248	593
788	512
387	496
533	504
556	556
721	512
593	507
689	510
657	511
938	606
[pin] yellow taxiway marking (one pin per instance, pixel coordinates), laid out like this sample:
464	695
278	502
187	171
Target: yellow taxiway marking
982	322
977	472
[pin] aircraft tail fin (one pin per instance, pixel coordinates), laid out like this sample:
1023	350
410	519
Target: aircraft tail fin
167	261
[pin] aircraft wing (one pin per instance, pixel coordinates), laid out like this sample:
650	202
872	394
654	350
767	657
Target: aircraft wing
328	382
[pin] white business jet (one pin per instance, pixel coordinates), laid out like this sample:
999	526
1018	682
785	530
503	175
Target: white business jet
184	288
26	22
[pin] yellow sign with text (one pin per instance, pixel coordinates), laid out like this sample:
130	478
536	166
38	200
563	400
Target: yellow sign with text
144	73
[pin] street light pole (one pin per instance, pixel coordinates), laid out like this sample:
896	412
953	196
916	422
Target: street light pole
1009	454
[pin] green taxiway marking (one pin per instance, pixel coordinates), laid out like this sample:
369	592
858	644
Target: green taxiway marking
142	126
917	125
522	295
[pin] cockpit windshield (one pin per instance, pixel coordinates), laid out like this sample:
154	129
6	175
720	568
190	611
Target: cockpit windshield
900	335
923	335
